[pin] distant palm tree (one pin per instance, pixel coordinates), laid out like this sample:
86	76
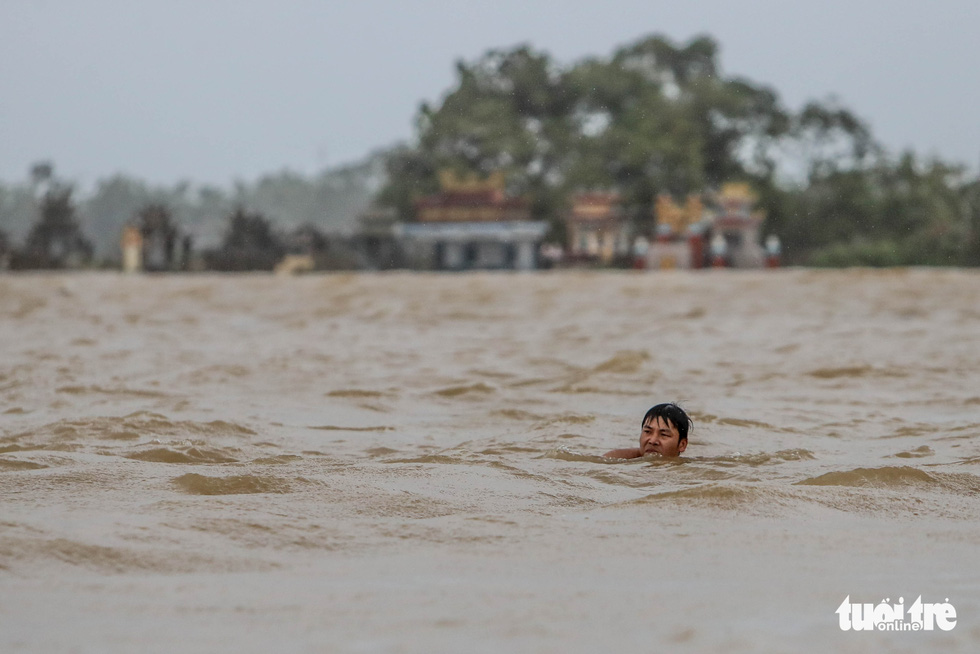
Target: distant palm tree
4	250
56	239
250	244
41	172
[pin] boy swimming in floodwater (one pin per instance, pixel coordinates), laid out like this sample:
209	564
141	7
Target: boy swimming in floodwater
664	432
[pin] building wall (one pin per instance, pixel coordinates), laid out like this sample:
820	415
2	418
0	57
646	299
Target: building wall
667	255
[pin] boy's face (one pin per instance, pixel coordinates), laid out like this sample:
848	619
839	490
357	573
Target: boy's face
661	436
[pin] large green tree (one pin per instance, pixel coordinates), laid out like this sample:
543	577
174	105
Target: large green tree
654	117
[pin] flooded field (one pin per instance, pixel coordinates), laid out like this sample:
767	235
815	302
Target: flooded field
411	463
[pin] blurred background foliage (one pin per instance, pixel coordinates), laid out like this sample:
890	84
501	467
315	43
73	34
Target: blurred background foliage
330	201
659	117
654	117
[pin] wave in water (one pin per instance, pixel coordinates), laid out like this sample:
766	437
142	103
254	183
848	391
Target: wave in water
195	484
897	477
74	435
185	454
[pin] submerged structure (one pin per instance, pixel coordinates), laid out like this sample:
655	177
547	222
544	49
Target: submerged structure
597	228
722	232
680	234
735	228
471	224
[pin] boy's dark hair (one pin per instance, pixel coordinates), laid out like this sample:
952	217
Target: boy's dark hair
674	415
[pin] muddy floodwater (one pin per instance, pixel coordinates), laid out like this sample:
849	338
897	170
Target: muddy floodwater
412	462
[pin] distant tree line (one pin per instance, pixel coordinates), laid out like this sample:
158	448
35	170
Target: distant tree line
654	117
657	117
329	203
237	236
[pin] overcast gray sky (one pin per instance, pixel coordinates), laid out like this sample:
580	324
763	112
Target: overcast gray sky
213	91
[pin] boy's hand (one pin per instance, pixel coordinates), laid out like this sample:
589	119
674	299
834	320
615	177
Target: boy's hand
629	453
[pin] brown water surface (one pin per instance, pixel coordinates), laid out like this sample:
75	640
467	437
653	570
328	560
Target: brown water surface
411	462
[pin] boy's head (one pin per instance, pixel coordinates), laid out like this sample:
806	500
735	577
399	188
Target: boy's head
664	430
